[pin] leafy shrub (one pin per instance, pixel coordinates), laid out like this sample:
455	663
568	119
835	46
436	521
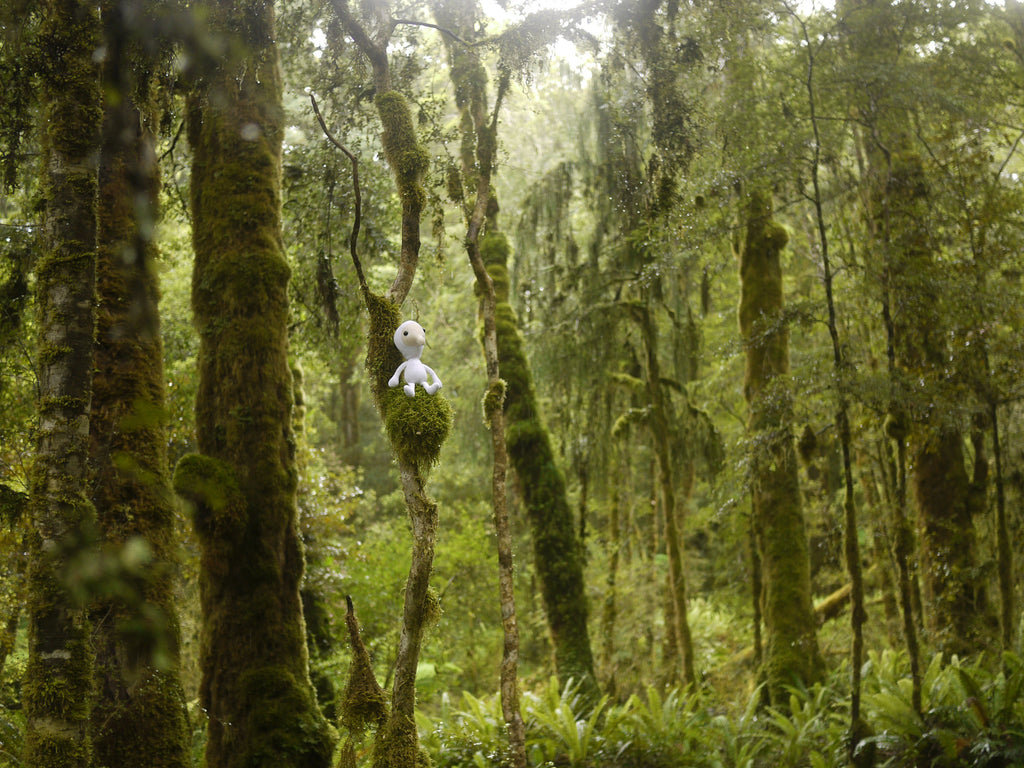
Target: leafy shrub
972	717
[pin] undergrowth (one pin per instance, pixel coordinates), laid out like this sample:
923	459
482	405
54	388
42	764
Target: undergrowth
972	717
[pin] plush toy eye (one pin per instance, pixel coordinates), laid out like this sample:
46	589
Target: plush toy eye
405	333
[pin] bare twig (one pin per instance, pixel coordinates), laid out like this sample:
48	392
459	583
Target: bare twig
357	219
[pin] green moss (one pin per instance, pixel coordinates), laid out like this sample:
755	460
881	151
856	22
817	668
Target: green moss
382	357
211	487
494	399
417	426
13	504
408	160
284	724
558	556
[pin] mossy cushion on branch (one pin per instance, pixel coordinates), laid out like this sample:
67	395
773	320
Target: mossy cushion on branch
417	426
211	487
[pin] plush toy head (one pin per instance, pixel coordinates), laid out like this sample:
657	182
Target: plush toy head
410	338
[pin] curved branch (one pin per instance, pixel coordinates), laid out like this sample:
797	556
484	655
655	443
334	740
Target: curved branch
357	214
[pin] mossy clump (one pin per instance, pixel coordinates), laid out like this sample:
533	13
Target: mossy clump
211	487
417	426
12	505
494	399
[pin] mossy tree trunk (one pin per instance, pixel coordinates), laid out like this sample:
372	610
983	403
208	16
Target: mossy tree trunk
57	688
900	222
791	652
947	497
557	552
139	716
479	144
255	684
416	426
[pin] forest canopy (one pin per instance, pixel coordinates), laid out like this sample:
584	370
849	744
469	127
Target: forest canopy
727	465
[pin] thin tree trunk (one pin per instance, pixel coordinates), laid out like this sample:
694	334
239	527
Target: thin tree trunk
469	78
139	716
57	687
557	551
255	687
672	501
858	614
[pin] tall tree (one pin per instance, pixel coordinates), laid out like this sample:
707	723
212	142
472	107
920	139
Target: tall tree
255	680
58	680
791	652
901	222
139	716
479	130
557	551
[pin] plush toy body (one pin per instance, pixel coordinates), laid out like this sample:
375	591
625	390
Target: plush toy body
410	338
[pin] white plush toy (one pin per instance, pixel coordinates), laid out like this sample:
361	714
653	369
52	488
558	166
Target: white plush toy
410	339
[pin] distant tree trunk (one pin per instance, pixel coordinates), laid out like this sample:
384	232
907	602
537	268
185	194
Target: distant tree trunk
57	687
900	221
673	498
255	686
791	652
139	716
558	556
947	498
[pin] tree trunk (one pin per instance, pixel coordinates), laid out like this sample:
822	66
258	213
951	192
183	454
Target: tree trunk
673	498
900	221
479	134
57	688
255	686
558	556
791	651
139	716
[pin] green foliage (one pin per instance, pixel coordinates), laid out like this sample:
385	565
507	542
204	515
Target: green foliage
971	715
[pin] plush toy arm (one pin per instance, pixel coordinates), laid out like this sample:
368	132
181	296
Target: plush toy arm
396	379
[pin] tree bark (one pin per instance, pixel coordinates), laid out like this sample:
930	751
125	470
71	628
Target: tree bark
255	686
791	651
57	686
469	79
673	498
139	716
557	552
